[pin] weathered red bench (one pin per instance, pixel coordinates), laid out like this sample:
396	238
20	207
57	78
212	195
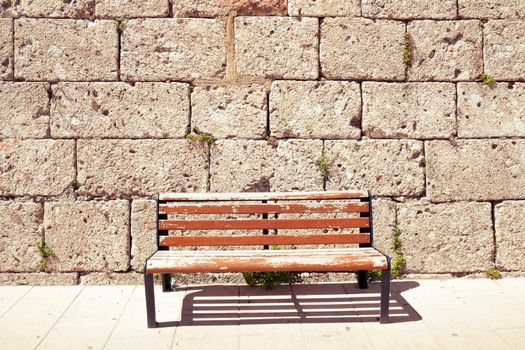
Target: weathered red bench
274	211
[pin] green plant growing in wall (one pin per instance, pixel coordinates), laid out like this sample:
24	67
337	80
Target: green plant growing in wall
487	79
322	163
268	280
493	273
407	52
45	252
201	137
398	261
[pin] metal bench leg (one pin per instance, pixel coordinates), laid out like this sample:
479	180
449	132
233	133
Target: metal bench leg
166	282
150	300
362	279
385	296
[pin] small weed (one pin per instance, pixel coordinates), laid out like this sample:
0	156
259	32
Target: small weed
493	273
119	25
398	262
407	52
322	163
487	79
45	252
201	137
374	274
268	280
44	249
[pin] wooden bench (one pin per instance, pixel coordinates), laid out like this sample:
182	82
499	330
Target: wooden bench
326	215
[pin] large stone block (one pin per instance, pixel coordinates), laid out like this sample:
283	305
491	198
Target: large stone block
448	237
122	168
6	48
491	111
36	167
181	49
504	49
385	167
510	235
120	110
277	47
25	109
409	9
229	111
359	48
409	110
475	170
326	8
143	228
87	236
491	9
312	109
48	8
445	50
132	8
384	221
215	8
38	279
259	166
59	49
21	227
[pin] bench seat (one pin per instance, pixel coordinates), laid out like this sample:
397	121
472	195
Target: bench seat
170	261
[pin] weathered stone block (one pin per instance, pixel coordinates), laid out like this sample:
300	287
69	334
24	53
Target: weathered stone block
491	9
119	110
25	109
87	236
181	49
491	111
112	278
21	224
359	48
409	110
38	279
132	8
327	8
36	167
215	8
258	166
448	237
229	111
6	48
409	9
143	228
475	170
510	235
114	168
312	109
277	47
58	49
385	167
48	8
445	50
504	49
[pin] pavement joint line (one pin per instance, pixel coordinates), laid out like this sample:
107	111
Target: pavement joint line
119	317
16	302
59	318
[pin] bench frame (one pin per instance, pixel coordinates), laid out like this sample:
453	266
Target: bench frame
362	275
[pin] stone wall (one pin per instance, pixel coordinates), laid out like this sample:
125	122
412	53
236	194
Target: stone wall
97	98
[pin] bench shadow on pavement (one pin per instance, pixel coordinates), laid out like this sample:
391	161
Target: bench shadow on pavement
300	303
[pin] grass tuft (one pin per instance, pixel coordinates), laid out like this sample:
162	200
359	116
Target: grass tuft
487	79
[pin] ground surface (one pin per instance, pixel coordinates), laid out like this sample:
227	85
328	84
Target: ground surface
427	314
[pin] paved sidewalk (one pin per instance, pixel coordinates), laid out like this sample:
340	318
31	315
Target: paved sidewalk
427	314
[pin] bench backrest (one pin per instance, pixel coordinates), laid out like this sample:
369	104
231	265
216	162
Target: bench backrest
192	211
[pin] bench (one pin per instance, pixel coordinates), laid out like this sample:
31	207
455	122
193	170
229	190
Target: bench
229	220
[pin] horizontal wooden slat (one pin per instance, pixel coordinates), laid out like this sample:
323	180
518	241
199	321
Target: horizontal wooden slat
262	196
343	238
350	259
264	208
264	224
